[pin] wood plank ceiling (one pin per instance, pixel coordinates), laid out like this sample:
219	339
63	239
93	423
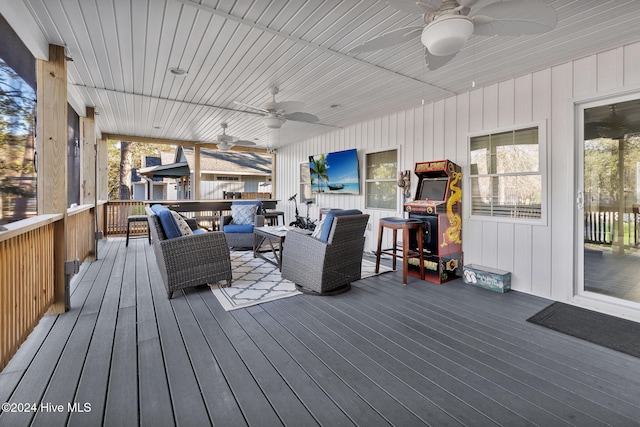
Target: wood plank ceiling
123	50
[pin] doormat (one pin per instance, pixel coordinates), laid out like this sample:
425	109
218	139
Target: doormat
602	329
256	281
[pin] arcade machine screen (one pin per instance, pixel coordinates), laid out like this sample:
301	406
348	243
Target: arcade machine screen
433	189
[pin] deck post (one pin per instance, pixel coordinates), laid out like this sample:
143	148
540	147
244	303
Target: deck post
52	161
88	168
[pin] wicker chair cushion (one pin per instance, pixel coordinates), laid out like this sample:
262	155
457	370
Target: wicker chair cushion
243	214
238	228
326	227
168	222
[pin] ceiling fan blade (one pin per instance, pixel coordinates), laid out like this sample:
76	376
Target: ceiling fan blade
467	3
392	38
285	106
514	18
253	107
245	143
434	62
302	117
420	7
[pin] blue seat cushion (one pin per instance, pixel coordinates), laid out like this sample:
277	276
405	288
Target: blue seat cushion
238	228
199	231
328	220
168	222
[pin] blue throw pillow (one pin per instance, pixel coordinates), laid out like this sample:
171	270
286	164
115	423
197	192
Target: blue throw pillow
243	214
328	221
168	222
249	202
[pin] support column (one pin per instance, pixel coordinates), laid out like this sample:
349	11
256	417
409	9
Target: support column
273	176
88	168
102	188
52	161
196	174
88	157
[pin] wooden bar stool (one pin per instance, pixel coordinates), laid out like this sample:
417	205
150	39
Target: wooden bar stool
137	218
407	226
273	217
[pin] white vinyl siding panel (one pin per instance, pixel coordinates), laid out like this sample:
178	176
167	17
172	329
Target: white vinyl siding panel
539	256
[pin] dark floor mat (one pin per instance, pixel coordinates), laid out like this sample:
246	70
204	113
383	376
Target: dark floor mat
608	331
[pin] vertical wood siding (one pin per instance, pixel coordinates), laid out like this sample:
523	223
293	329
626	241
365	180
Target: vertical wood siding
539	256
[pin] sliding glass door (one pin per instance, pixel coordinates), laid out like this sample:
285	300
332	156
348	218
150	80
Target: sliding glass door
609	199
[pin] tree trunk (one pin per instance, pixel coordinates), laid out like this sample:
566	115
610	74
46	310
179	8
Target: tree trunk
126	160
26	185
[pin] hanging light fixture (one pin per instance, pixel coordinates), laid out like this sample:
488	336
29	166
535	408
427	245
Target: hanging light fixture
272	121
447	34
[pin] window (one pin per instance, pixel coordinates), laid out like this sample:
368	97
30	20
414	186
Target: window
305	183
381	180
73	157
17	128
506	179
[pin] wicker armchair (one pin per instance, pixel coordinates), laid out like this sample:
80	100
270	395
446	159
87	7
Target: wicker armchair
240	236
326	268
192	260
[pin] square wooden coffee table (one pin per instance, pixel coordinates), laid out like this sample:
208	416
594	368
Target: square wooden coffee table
270	240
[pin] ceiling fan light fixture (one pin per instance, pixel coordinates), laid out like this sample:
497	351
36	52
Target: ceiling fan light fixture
178	71
272	122
447	34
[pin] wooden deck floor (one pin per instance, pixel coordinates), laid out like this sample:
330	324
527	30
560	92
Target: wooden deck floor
381	354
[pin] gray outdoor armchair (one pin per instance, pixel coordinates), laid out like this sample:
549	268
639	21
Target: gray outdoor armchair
192	260
326	267
240	233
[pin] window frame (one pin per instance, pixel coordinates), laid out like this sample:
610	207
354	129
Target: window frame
542	171
302	185
394	180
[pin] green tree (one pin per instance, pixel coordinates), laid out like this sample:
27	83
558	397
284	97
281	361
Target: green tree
17	144
132	156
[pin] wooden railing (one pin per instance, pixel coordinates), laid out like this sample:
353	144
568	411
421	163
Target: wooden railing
80	232
117	212
251	195
26	279
206	212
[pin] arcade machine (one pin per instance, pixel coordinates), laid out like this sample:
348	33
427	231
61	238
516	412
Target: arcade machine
438	204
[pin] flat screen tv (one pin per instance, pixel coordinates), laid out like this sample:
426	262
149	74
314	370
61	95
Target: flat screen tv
434	189
335	173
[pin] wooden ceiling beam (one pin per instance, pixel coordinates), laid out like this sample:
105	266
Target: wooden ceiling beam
149	140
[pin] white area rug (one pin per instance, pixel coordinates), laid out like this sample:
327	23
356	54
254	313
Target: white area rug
256	281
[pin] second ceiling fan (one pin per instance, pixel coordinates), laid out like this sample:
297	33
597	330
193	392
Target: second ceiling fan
448	24
225	142
276	113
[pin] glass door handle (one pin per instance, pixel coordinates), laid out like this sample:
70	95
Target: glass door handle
580	199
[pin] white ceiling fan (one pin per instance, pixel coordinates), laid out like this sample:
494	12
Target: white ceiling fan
225	142
450	23
276	113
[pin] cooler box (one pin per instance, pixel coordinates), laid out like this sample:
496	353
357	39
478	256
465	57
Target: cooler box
487	277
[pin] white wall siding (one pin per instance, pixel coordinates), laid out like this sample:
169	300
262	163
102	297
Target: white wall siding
538	255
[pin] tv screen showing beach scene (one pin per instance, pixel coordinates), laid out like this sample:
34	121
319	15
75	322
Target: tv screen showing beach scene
335	173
